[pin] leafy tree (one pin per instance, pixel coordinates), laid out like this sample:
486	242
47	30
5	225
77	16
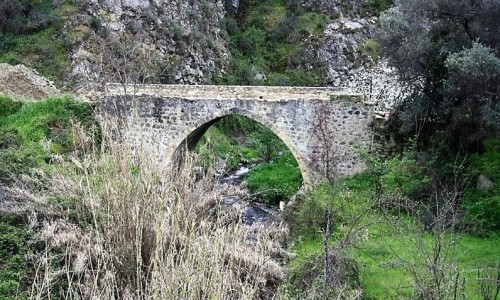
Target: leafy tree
447	53
23	16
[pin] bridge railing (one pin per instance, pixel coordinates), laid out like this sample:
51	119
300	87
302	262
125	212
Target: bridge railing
224	91
265	93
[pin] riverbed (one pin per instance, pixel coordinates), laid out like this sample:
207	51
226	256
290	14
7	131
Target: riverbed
235	196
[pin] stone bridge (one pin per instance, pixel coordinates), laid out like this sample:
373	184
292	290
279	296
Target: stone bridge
321	127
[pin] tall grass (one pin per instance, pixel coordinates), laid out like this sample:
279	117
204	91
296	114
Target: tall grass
149	232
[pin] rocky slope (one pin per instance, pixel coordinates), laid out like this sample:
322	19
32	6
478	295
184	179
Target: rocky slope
180	38
349	52
24	83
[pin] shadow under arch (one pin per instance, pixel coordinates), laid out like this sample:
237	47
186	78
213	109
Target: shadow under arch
188	139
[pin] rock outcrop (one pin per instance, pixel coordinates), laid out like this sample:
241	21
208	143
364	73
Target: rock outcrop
350	54
181	39
342	49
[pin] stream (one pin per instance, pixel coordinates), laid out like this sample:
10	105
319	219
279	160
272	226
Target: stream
238	197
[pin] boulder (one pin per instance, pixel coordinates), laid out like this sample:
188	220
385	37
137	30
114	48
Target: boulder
484	183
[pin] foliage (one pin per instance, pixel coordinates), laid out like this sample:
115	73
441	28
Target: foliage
396	255
215	143
13	264
370	48
366	7
23	16
482	206
324	225
48	119
402	175
346	197
445	51
390	249
31	132
31	33
273	38
307	279
126	62
238	139
276	181
8	106
379	6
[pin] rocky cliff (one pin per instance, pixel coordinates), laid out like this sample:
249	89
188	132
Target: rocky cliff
181	38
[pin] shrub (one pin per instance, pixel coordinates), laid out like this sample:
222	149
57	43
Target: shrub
13	265
274	44
482	206
346	198
8	106
274	182
30	28
27	129
307	280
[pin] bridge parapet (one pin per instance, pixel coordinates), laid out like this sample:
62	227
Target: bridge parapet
265	93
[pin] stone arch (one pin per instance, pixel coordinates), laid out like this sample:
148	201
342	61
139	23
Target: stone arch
192	134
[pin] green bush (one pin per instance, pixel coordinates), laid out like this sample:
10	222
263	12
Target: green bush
306	278
238	139
378	6
13	264
308	217
31	33
482	206
8	106
18	161
273	38
346	198
275	181
402	175
25	126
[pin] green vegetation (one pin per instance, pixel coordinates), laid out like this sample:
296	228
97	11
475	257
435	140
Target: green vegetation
482	204
238	139
30	33
389	255
14	247
447	53
276	181
31	135
274	38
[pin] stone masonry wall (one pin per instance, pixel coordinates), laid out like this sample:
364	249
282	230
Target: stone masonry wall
314	123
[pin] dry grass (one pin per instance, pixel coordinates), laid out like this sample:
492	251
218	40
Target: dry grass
146	232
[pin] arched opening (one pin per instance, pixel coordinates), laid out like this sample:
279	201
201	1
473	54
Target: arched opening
254	152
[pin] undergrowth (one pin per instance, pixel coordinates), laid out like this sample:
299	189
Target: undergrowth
31	34
271	44
404	247
33	134
239	140
153	232
34	138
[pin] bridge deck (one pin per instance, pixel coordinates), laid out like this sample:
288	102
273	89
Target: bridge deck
267	93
